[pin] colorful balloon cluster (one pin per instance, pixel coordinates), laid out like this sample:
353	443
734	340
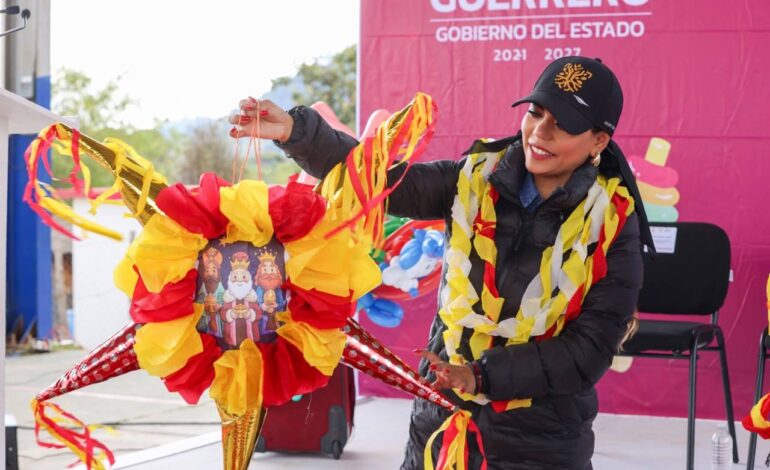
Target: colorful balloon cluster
411	267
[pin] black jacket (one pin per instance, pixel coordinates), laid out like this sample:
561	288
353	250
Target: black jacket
558	373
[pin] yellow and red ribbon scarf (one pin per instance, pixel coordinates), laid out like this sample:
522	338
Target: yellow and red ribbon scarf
553	297
756	421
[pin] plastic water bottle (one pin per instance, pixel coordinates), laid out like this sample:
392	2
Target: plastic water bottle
71	322
721	449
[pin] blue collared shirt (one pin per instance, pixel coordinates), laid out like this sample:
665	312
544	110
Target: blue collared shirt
528	194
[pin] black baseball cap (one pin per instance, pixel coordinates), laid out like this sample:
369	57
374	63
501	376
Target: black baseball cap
581	93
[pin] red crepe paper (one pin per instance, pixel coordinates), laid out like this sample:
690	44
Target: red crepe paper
174	301
449	436
196	209
479	443
369	204
112	358
294	209
319	309
30	195
499	406
286	373
748	424
759	428
599	270
196	376
73	179
82	441
77	183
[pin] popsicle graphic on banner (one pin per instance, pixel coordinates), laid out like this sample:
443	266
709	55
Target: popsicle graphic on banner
657	185
657	182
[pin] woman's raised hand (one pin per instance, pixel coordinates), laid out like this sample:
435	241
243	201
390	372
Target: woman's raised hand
274	122
448	375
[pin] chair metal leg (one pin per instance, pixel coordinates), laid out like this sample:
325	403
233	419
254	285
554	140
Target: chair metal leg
728	395
691	406
757	396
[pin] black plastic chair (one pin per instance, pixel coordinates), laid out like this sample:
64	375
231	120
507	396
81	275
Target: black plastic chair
692	280
764	344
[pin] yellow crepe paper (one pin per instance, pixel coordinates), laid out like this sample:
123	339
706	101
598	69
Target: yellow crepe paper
756	413
67	150
370	167
473	214
768	302
60	421
125	277
335	266
237	385
65	212
163	348
125	159
456	449
321	349
53	205
164	252
245	206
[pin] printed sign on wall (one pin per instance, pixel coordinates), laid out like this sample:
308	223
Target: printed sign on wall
694	127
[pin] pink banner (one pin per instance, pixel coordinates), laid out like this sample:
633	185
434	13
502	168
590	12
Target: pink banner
695	126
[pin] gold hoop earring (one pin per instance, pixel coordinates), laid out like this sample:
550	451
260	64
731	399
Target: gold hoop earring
597	159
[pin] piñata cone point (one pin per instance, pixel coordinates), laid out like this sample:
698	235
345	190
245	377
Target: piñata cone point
365	353
239	436
111	359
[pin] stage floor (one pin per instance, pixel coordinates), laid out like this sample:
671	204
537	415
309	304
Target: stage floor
622	442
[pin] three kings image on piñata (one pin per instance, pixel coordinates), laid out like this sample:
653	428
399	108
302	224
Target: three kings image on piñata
239	286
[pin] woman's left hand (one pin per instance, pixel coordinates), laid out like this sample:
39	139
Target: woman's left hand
449	375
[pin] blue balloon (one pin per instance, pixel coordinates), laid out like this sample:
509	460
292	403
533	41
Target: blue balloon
433	244
411	252
385	313
365	301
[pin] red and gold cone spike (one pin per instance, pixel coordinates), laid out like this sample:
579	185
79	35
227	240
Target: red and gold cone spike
365	353
112	358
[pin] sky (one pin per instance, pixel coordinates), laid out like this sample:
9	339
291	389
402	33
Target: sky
188	59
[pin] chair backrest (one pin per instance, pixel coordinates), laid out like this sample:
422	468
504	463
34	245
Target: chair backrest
694	278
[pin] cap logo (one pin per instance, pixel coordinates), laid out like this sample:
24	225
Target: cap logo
572	77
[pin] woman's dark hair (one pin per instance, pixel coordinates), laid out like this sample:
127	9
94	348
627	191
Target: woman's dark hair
631	329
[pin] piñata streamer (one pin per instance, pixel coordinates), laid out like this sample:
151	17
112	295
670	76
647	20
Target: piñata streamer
757	419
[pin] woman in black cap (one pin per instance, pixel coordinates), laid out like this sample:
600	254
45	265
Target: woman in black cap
552	236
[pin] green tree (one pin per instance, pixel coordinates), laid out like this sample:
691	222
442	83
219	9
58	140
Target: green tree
331	80
276	168
163	148
206	150
73	94
100	112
